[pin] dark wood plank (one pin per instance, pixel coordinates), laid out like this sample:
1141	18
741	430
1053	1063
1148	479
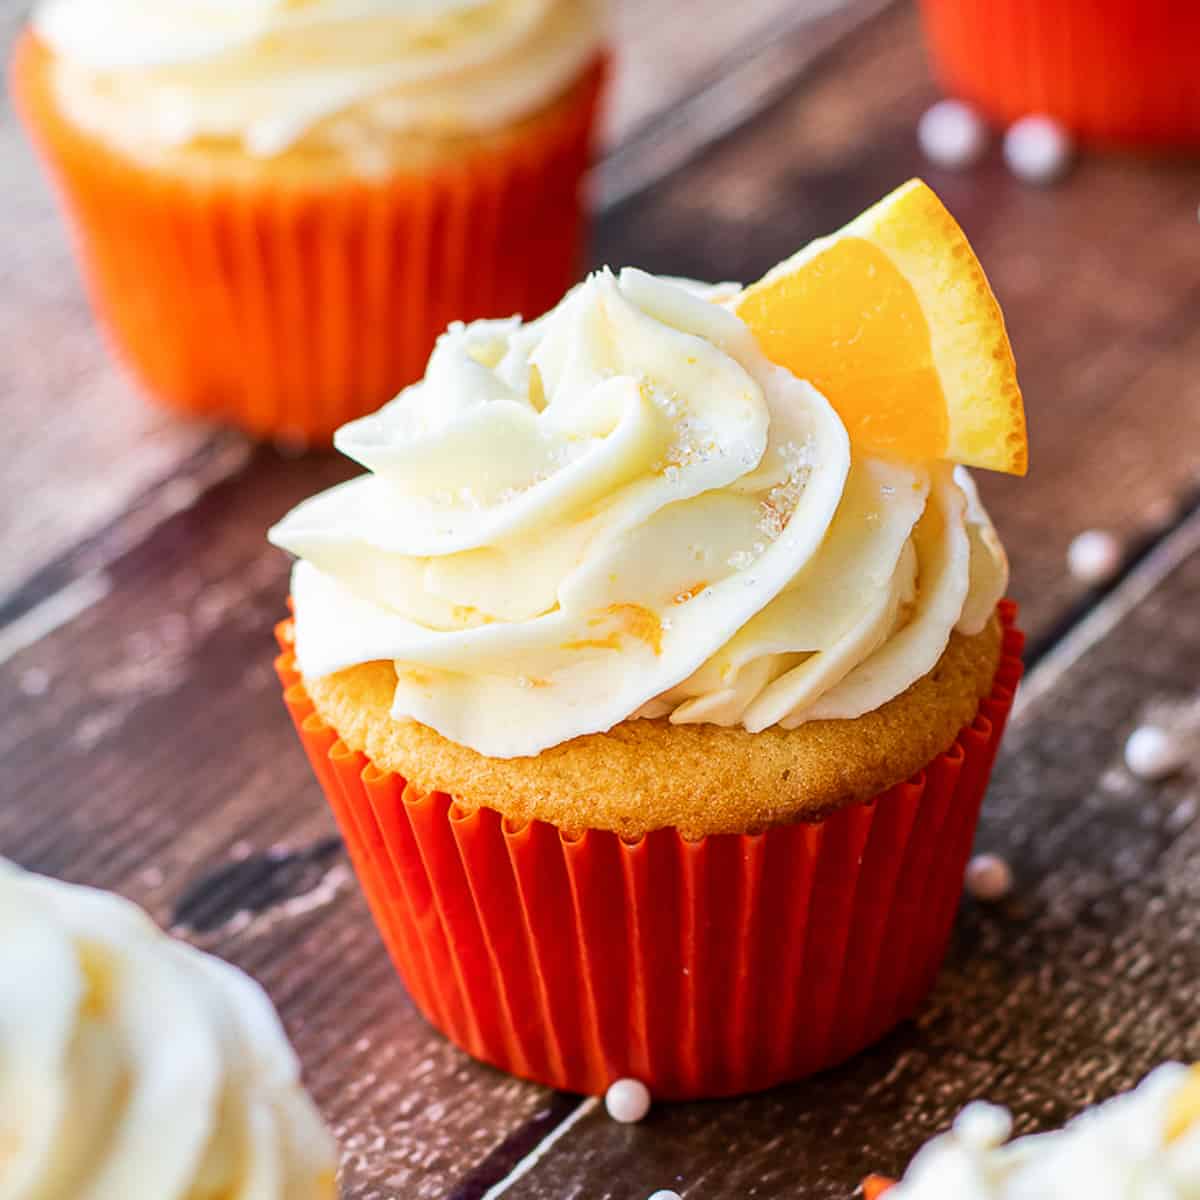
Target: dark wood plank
678	88
80	445
666	52
1063	994
1097	278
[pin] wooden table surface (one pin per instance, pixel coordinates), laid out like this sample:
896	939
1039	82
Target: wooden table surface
143	746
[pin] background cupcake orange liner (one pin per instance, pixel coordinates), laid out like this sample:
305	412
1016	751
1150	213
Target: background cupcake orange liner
704	968
288	312
1120	71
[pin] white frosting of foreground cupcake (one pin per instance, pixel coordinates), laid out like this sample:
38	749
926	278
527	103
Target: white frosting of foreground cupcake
1143	1145
623	509
133	1066
266	71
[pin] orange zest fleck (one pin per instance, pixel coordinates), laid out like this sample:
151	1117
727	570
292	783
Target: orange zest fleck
612	642
1184	1110
635	620
639	622
466	614
690	593
99	984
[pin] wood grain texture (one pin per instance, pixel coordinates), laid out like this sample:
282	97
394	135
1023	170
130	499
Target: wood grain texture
669	51
675	92
80	445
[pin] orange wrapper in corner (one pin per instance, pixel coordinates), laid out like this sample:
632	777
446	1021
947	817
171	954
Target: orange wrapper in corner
290	309
874	1186
1121	71
703	968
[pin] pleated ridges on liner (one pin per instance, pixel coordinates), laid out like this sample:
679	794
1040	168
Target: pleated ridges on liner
289	310
704	968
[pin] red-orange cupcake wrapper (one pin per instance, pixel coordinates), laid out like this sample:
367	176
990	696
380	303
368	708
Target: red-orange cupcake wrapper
290	310
704	968
1120	71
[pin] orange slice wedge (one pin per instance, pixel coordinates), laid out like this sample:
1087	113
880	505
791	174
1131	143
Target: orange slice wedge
892	319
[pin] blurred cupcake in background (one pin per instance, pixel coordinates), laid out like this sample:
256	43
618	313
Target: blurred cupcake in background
278	205
133	1065
1109	71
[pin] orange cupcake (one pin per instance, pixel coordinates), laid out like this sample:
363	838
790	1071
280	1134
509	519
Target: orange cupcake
656	691
278	207
1119	71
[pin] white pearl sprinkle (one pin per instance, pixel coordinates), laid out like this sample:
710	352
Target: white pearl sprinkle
952	134
1152	752
34	682
989	877
983	1126
1094	556
1038	149
627	1101
666	1194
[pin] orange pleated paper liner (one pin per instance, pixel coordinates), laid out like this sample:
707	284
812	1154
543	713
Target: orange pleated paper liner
292	309
1121	71
704	968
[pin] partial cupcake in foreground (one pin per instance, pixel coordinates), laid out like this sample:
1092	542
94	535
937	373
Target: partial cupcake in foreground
278	206
1140	1145
655	691
134	1066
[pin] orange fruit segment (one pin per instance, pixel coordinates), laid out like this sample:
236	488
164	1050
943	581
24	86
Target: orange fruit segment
893	321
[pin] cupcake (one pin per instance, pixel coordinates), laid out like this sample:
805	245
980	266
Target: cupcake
132	1065
656	695
1119	71
1142	1143
278	206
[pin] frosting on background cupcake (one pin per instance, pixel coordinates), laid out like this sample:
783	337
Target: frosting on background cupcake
1141	1145
265	73
620	510
132	1065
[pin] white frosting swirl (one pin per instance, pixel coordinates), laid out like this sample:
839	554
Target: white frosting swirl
267	71
623	509
1143	1145
132	1065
